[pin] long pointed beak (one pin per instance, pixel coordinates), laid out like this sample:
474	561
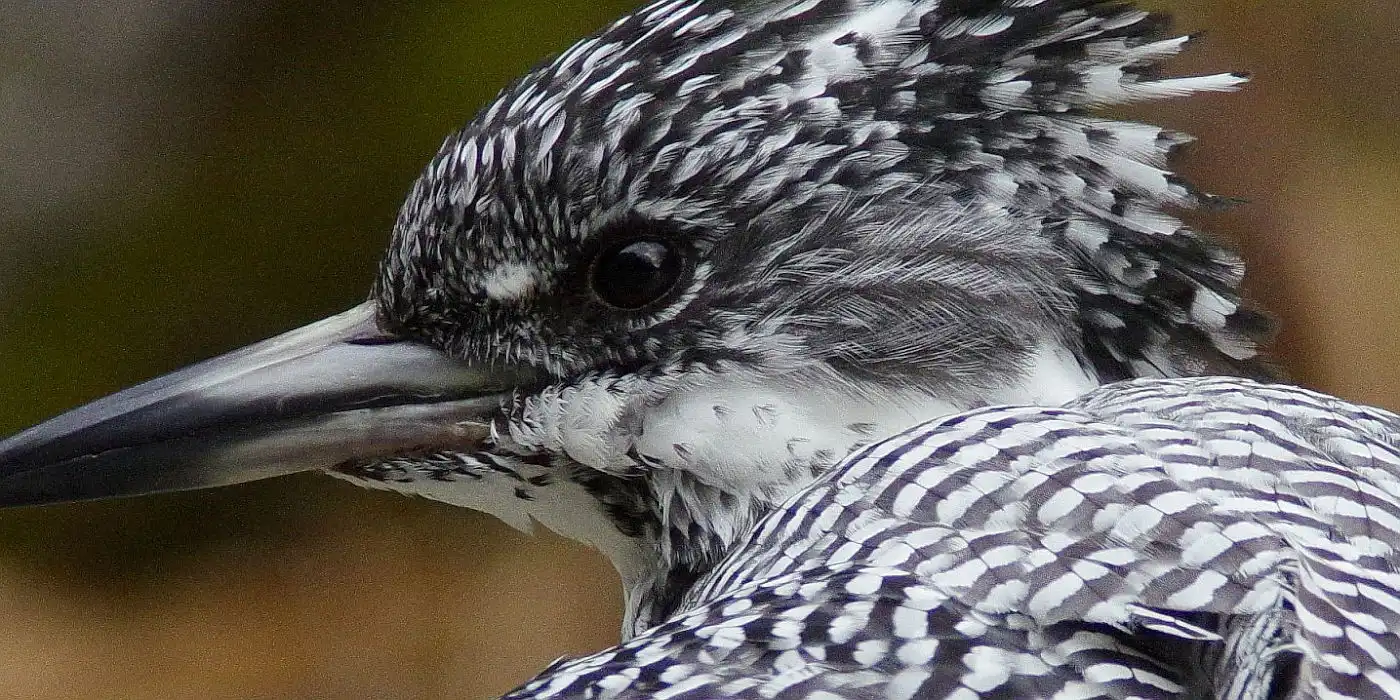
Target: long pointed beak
333	392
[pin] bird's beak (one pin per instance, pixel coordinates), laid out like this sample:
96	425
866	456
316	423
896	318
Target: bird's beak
336	391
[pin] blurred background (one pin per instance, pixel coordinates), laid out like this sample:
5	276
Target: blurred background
181	177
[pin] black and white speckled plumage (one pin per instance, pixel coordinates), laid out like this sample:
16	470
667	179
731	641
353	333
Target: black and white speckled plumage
1114	547
911	198
794	144
894	210
889	212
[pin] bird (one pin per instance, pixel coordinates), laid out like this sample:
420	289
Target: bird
873	356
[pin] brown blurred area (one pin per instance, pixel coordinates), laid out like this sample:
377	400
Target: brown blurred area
179	177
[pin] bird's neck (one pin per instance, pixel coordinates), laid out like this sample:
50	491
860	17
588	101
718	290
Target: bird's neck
737	447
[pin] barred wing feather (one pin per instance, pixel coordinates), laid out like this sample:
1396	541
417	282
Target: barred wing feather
1201	537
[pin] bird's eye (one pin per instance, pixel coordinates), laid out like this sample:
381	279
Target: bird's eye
635	273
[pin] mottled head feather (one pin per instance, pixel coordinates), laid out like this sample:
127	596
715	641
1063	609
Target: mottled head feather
891	210
718	120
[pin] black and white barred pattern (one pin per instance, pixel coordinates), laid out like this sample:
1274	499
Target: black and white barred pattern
1156	539
890	210
743	124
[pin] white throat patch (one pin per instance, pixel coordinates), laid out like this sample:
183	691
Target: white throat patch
747	431
755	436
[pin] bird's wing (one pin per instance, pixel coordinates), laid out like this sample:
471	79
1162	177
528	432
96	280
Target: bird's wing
1158	538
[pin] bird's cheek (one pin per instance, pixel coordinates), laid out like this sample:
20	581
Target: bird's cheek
605	451
738	437
585	421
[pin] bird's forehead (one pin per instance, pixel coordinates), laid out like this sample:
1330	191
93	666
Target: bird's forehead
709	115
685	103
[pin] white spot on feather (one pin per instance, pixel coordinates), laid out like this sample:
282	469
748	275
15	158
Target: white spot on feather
1210	309
510	281
832	62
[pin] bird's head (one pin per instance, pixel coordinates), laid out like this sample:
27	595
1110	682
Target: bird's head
666	279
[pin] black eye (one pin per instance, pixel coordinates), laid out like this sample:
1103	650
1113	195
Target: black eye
633	274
